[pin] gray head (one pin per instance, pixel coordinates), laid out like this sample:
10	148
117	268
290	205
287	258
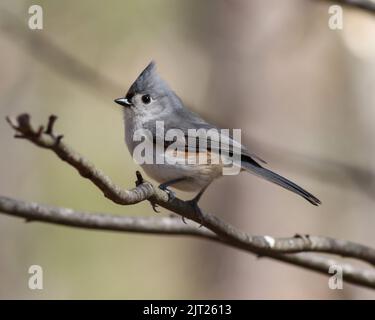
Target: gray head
149	95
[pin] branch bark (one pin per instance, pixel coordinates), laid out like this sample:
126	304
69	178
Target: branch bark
291	250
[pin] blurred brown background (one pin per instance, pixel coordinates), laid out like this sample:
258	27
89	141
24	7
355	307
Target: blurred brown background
301	93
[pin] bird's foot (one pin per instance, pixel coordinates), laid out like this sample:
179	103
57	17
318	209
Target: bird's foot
154	207
140	181
171	194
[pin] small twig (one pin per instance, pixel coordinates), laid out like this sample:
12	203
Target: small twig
51	122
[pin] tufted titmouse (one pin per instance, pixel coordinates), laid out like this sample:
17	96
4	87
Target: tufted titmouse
150	101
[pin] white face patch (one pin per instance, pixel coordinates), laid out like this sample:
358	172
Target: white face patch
270	241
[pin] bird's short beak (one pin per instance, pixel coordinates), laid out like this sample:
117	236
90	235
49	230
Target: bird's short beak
123	102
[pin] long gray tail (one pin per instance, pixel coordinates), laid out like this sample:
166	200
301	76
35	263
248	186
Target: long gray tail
264	173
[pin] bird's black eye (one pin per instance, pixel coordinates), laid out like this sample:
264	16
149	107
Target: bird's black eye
146	98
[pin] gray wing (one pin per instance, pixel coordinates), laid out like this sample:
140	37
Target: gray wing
188	120
184	120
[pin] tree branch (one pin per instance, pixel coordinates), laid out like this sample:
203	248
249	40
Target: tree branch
284	249
162	225
32	211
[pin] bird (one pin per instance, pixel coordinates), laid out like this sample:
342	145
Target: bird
150	101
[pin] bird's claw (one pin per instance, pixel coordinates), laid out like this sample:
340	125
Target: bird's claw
171	194
154	207
178	216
